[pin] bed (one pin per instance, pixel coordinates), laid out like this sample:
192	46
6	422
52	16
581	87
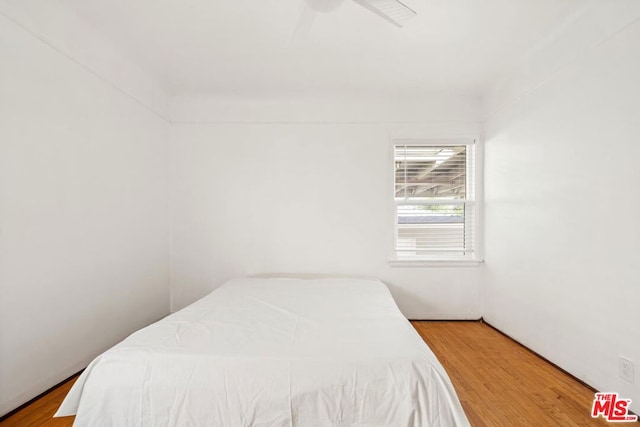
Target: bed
272	352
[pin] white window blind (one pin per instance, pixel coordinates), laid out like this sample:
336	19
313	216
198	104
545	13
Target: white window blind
435	200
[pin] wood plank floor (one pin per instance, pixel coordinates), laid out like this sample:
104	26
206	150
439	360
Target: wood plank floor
499	382
40	412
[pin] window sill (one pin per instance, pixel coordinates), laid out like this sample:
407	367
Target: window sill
451	262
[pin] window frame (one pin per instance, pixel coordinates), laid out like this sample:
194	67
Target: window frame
474	172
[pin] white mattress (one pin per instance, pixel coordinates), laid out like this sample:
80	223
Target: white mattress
272	352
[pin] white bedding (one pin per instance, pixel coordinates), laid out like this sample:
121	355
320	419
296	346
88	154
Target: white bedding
272	352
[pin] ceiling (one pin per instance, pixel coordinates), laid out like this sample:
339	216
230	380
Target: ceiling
246	48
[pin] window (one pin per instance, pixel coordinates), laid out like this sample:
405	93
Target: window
435	206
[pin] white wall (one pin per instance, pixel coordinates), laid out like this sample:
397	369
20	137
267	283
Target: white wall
305	195
55	23
83	215
562	235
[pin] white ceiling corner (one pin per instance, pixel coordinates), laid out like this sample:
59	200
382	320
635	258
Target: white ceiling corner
244	48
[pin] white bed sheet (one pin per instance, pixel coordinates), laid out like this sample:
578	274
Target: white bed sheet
272	352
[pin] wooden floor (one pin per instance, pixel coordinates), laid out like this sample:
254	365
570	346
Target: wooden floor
40	412
499	382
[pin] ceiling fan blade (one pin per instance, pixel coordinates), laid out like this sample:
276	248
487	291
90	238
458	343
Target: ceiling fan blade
305	22
394	11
